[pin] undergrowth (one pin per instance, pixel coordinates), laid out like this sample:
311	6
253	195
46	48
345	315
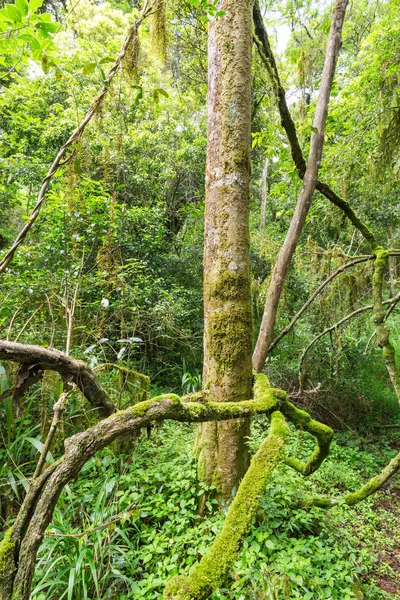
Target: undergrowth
139	516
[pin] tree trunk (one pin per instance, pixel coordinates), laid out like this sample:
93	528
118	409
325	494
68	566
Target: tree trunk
392	260
227	372
264	193
304	201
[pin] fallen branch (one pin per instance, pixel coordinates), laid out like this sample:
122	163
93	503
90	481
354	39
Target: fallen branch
372	486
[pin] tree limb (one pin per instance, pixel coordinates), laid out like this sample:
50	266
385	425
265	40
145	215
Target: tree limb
305	197
54	360
311	299
369	488
356	312
268	59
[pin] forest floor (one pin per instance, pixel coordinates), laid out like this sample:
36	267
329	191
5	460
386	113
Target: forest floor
146	504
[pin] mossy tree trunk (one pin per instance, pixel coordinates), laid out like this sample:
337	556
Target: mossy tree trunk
227	373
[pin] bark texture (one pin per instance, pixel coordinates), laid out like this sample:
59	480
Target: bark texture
309	183
223	457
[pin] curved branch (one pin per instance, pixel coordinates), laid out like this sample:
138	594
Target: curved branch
74	137
37	509
323	434
54	360
311	299
369	488
362	309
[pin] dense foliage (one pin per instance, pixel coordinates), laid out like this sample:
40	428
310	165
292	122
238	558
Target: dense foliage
112	272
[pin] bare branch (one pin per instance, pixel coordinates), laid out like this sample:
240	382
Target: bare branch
305	197
268	59
311	299
333	328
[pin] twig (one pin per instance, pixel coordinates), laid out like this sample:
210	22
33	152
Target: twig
319	289
58	409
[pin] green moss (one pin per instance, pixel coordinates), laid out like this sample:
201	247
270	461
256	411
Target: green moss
323	434
227	328
7	546
214	567
230	286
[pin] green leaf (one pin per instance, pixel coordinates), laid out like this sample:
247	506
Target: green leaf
22	6
47	28
32	41
163	92
34	5
11	13
106	59
89	68
39	447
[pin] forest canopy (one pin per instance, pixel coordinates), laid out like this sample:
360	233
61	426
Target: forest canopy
199	274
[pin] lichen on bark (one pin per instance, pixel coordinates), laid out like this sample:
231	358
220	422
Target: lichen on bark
227	374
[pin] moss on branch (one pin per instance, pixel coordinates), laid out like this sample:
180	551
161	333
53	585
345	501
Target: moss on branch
210	573
322	433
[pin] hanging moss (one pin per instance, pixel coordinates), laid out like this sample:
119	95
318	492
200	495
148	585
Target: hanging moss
158	31
131	60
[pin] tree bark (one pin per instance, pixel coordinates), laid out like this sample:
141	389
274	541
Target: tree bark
227	372
309	183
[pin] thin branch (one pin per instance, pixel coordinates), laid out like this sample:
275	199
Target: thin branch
89	531
304	199
333	328
319	289
268	59
58	409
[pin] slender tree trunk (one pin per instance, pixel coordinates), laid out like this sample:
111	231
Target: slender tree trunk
222	451
309	183
392	260
264	193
